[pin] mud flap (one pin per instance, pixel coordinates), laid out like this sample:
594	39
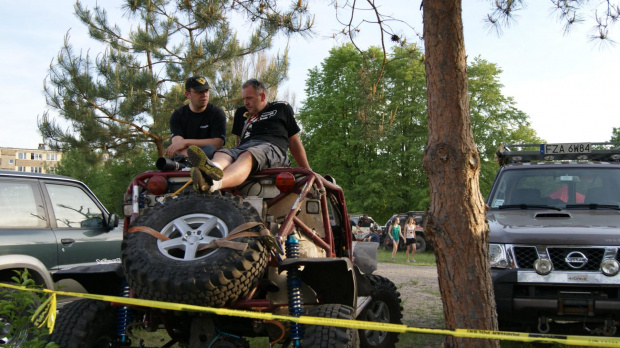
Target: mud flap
334	280
365	256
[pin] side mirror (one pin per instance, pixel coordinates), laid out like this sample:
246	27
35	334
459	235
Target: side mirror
112	221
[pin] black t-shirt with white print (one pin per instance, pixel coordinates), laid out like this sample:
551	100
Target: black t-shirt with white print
275	124
211	123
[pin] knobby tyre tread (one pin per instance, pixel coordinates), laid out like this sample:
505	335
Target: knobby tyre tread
318	336
85	324
218	279
385	306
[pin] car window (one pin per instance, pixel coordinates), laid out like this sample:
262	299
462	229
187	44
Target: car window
21	205
73	208
557	187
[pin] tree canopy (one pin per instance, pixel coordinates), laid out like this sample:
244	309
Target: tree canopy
122	97
375	149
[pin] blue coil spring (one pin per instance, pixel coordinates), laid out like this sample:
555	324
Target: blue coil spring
293	282
123	316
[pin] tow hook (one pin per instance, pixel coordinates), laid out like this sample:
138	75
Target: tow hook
543	325
608	329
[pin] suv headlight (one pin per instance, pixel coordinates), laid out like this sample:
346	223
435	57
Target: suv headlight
497	256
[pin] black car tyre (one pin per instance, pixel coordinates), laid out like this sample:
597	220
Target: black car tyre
317	336
420	244
86	324
178	270
385	307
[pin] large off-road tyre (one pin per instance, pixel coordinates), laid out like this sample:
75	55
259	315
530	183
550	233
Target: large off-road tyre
385	307
177	270
317	336
86	324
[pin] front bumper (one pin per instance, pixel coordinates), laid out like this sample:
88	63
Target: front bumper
524	296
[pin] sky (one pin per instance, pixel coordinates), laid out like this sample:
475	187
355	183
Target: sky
566	84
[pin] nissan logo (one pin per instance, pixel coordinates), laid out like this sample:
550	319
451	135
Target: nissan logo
576	259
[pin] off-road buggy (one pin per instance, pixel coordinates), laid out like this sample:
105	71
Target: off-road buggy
280	243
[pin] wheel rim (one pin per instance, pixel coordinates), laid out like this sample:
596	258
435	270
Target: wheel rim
189	234
378	313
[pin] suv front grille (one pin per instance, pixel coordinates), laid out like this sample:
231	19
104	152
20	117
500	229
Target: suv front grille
594	255
526	255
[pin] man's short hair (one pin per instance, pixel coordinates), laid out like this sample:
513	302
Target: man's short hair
258	85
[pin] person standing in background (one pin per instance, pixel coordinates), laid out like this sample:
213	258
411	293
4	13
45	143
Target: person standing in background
410	238
395	235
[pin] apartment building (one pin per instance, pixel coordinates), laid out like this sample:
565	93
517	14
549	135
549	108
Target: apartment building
39	160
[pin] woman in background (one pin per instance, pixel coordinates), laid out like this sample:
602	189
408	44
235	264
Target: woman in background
410	238
395	234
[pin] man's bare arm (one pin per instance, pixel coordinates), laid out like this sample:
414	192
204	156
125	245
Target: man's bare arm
298	151
179	144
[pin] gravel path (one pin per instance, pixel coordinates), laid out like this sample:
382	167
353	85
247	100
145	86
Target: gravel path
419	292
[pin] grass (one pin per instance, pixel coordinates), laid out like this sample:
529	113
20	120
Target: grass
426	258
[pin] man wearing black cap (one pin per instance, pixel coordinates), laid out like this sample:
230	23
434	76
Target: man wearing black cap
198	123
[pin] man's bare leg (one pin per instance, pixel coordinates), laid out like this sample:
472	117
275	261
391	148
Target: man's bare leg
235	173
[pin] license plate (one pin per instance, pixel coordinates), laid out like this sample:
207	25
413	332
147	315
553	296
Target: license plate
561	149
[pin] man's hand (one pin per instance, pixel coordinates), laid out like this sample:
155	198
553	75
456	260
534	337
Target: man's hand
178	146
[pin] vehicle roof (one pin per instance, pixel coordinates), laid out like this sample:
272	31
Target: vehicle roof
17	174
564	164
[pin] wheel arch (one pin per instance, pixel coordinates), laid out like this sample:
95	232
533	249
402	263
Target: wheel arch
37	270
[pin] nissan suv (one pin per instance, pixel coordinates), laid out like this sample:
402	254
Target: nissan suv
554	219
52	222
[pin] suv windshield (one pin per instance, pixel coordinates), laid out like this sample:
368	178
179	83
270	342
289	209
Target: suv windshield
558	188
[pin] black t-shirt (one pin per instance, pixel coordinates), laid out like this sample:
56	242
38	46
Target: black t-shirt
211	123
365	222
275	124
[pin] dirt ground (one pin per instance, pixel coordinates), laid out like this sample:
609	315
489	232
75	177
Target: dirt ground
419	292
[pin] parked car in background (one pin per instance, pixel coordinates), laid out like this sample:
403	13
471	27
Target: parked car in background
52	222
361	225
421	240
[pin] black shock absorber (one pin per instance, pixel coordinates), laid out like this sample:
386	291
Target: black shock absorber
293	282
123	317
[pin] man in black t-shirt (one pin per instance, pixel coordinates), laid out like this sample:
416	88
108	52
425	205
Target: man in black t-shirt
264	133
198	123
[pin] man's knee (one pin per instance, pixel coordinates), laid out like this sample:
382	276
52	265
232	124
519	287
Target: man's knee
209	150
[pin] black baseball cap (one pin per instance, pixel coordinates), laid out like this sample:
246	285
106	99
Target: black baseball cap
198	83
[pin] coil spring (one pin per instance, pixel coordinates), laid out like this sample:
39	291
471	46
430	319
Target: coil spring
293	282
123	316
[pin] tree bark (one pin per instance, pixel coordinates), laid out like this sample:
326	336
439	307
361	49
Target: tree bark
456	217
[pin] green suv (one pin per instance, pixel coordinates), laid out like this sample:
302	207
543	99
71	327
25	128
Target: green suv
52	222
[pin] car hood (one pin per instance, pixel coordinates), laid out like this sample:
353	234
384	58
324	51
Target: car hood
574	227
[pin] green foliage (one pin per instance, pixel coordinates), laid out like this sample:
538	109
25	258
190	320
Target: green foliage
108	179
495	120
372	140
123	97
16	310
615	135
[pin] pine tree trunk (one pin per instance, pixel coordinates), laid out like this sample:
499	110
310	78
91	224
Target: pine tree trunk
456	217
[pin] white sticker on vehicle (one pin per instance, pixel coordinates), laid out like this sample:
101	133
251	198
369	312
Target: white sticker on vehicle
497	203
577	278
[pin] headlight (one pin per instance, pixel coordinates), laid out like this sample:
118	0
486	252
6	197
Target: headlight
497	256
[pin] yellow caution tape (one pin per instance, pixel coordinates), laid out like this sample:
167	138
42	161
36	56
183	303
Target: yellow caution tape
590	341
